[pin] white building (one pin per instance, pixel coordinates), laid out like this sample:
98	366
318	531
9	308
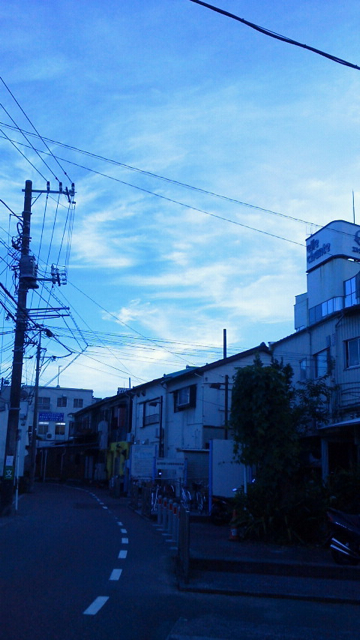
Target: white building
327	338
175	417
56	406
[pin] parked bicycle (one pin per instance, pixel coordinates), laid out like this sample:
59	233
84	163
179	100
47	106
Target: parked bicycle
155	493
186	498
200	497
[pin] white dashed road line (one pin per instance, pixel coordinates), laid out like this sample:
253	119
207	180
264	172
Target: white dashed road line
96	606
115	574
99	602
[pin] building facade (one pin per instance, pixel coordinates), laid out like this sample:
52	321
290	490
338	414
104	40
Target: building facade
326	344
177	416
53	423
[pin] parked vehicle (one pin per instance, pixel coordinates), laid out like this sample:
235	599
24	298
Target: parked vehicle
345	537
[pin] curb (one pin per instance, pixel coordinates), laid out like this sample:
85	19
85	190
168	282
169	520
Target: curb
276	568
301	589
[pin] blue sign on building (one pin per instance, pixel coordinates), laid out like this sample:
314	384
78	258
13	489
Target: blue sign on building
49	416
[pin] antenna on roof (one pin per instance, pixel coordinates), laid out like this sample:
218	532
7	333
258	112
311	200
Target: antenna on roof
353	199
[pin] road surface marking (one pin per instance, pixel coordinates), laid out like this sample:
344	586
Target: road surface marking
120	524
123	531
105	507
115	574
122	555
96	606
125	540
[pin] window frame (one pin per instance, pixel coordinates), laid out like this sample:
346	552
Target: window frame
187	402
322	363
349	364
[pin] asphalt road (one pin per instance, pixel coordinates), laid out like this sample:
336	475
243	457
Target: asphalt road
79	565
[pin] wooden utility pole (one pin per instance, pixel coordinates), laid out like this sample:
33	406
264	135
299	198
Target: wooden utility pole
35	420
25	282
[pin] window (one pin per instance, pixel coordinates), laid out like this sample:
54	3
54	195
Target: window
353	352
325	309
59	428
78	403
151	413
62	401
322	363
352	291
303	369
185	398
43	428
43	403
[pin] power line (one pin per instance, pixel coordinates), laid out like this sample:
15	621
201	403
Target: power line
33	126
166	179
23	155
123	323
192	208
277	36
31	145
183	204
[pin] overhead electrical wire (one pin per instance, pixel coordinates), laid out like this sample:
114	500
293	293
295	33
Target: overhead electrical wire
37	132
192	208
23	155
113	315
277	36
27	139
94	333
71	352
177	183
183	204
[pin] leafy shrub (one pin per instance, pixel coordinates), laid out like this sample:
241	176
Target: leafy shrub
297	516
344	490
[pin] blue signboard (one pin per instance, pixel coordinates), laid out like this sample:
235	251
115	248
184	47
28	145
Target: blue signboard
49	416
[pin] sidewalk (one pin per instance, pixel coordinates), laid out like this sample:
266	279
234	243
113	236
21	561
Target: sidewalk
218	565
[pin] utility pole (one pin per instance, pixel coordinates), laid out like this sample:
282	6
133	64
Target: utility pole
27	280
25	283
226	387
35	420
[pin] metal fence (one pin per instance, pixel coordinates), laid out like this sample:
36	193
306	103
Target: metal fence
172	518
183	553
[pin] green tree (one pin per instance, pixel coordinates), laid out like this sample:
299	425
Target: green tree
262	420
312	403
268	417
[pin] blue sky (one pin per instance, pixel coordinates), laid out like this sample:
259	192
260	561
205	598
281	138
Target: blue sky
157	270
